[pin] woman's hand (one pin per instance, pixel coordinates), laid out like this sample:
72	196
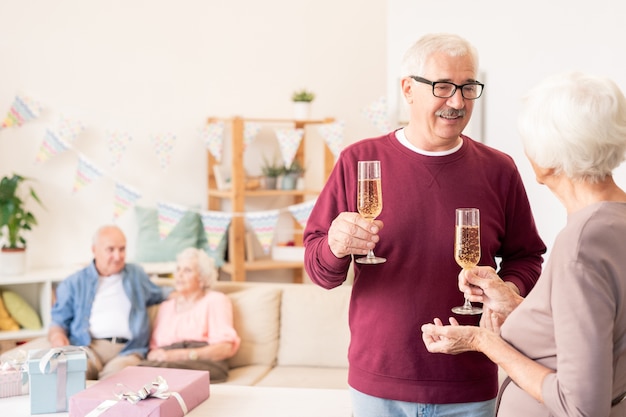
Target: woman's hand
452	339
159	355
483	285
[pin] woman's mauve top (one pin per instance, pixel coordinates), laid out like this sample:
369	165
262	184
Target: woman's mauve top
574	320
210	320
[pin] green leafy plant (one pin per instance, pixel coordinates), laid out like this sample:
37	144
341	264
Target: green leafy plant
272	169
303	95
295	168
15	219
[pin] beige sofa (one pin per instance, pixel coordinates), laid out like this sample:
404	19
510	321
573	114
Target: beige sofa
292	335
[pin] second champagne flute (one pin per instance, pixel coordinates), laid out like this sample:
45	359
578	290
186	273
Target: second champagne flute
369	200
467	248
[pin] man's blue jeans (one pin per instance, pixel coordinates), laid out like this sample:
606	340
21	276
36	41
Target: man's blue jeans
364	405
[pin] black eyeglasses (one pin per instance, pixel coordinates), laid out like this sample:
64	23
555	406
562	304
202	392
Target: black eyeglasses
445	89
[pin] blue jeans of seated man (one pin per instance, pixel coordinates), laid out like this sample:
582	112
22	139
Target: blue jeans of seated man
364	405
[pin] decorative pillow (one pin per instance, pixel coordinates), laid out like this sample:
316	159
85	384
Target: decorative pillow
309	317
256	317
189	232
19	309
6	321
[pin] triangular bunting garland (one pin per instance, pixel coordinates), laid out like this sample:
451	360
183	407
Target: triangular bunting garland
22	110
117	142
376	113
250	131
289	141
302	211
215	225
169	216
333	134
125	198
51	145
86	173
213	137
163	146
264	224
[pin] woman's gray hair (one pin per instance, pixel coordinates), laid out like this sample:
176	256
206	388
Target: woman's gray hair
575	124
416	56
206	265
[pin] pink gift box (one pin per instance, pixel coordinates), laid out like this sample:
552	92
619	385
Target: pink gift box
192	386
13	382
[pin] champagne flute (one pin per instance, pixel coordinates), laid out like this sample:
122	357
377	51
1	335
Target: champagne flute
369	200
467	248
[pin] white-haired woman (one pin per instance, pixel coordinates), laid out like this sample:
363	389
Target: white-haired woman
564	345
194	328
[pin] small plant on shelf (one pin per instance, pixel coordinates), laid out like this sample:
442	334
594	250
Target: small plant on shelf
271	172
291	175
303	95
272	169
294	169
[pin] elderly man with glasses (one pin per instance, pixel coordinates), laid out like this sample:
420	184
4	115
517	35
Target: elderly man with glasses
428	169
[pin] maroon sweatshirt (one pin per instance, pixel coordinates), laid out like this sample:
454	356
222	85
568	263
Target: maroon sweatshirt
391	301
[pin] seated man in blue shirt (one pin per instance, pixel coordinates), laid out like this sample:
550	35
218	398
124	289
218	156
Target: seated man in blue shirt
104	307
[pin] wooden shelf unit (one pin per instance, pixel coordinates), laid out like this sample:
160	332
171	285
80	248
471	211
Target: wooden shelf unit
237	265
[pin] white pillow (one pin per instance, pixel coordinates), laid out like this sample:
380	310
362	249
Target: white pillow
314	326
256	317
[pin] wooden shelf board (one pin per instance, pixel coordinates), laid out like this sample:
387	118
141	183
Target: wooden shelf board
261	193
265	265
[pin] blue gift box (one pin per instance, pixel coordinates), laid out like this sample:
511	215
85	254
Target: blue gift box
54	376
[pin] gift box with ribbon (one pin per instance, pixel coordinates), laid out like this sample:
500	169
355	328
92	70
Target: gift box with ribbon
14	375
54	376
141	391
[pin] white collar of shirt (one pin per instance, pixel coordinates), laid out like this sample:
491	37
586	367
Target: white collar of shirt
405	142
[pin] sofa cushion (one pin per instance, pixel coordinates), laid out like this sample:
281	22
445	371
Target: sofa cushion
310	316
256	319
21	311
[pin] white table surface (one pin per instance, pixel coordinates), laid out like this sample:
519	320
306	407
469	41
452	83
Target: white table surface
238	401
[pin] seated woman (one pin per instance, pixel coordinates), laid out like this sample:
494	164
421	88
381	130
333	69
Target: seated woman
194	327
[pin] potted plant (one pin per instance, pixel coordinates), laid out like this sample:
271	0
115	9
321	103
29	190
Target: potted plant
302	103
15	219
271	172
291	175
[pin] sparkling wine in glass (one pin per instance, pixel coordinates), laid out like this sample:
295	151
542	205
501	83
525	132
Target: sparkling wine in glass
369	200
467	248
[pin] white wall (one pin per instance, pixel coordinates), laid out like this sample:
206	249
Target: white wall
159	66
519	44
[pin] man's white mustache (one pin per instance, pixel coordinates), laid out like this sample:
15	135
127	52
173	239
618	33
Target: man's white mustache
450	113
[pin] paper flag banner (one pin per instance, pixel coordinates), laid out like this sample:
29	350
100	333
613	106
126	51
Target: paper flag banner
169	216
289	141
264	224
376	113
163	146
213	137
302	211
215	226
125	197
117	142
86	173
51	145
333	134
22	110
68	129
250	131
